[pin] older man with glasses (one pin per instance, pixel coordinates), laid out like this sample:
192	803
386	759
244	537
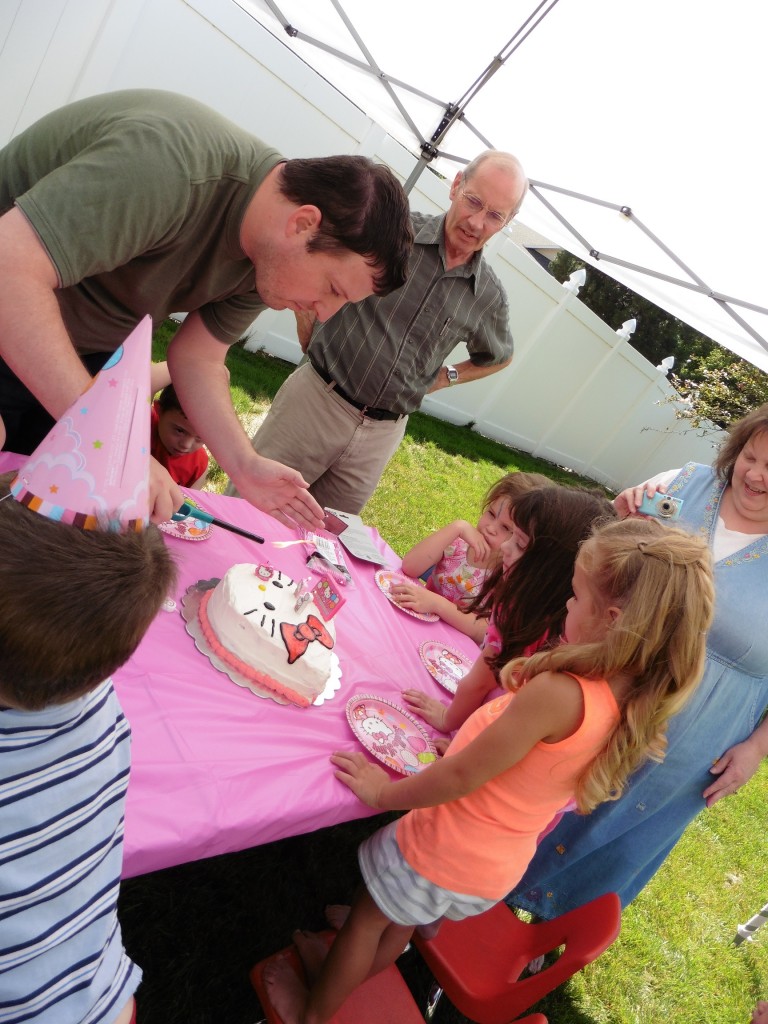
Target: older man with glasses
341	415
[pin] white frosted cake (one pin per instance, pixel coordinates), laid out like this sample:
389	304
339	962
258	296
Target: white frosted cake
250	621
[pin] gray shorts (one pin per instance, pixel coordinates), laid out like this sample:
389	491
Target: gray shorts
405	896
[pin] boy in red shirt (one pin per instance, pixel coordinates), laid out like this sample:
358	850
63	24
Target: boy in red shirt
174	442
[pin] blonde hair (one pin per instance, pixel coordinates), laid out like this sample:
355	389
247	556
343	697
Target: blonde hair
661	580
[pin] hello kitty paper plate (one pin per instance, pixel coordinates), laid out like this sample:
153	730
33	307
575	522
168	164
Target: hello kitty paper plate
190	528
386	578
445	664
389	733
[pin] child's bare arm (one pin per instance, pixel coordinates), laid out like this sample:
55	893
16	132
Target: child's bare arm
468	623
549	708
159	377
418	599
470	693
430	550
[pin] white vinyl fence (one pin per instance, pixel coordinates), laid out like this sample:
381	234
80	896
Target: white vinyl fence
575	394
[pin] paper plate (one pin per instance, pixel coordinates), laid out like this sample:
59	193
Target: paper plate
190	604
389	733
189	528
384	580
445	664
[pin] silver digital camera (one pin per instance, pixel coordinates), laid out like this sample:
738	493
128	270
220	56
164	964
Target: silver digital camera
661	506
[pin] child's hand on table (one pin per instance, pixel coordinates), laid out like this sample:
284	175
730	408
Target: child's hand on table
415	598
366	780
429	708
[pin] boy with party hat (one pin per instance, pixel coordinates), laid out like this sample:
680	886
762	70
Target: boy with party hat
82	575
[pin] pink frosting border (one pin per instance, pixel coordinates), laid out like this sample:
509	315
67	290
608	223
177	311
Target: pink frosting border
240	666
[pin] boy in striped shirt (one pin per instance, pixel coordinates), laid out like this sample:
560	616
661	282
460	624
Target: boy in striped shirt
74	605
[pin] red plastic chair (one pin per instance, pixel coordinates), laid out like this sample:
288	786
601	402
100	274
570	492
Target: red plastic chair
383	999
477	962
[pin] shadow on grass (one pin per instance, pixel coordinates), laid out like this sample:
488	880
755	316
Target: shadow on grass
466	442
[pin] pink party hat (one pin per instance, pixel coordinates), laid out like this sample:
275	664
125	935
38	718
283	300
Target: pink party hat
92	470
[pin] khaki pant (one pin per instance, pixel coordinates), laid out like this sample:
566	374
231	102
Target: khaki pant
339	452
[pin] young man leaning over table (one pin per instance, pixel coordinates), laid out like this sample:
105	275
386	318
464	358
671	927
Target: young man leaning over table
221	226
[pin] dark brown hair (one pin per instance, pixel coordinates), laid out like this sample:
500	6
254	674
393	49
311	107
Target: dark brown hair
755	422
74	604
364	209
168	399
529	600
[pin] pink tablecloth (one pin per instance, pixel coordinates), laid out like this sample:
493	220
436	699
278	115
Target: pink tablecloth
217	769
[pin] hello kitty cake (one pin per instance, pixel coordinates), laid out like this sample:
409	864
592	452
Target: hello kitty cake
270	629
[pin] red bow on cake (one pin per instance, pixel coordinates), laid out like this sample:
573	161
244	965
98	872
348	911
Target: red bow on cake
298	637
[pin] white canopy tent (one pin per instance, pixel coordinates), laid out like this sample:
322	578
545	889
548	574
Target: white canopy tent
637	122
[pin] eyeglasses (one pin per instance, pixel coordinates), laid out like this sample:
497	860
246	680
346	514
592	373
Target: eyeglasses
476	205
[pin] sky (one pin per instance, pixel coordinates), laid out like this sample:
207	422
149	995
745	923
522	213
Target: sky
658	105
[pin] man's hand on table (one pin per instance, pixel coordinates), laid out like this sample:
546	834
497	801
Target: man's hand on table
200	376
279	491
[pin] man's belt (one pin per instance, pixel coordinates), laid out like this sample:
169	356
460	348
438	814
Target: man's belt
366	410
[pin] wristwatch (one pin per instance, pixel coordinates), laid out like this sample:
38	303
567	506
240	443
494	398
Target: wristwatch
453	375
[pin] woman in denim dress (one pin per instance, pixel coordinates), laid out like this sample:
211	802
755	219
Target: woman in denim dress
716	743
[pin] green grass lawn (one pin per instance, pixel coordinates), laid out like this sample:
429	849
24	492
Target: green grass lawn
197	929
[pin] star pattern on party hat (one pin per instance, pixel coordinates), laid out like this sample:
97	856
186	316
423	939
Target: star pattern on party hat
92	469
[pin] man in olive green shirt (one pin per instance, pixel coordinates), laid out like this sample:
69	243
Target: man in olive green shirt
145	202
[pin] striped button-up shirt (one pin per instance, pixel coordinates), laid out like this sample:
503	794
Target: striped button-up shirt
386	351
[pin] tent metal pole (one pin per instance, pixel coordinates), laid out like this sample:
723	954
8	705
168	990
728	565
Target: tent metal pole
696	284
453	112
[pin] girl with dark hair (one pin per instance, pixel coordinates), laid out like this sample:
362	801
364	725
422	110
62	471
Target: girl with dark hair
461	557
526	595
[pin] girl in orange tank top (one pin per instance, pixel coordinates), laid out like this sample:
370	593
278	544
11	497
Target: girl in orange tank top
634	635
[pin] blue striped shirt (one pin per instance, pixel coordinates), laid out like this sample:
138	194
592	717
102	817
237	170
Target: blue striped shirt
63	778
